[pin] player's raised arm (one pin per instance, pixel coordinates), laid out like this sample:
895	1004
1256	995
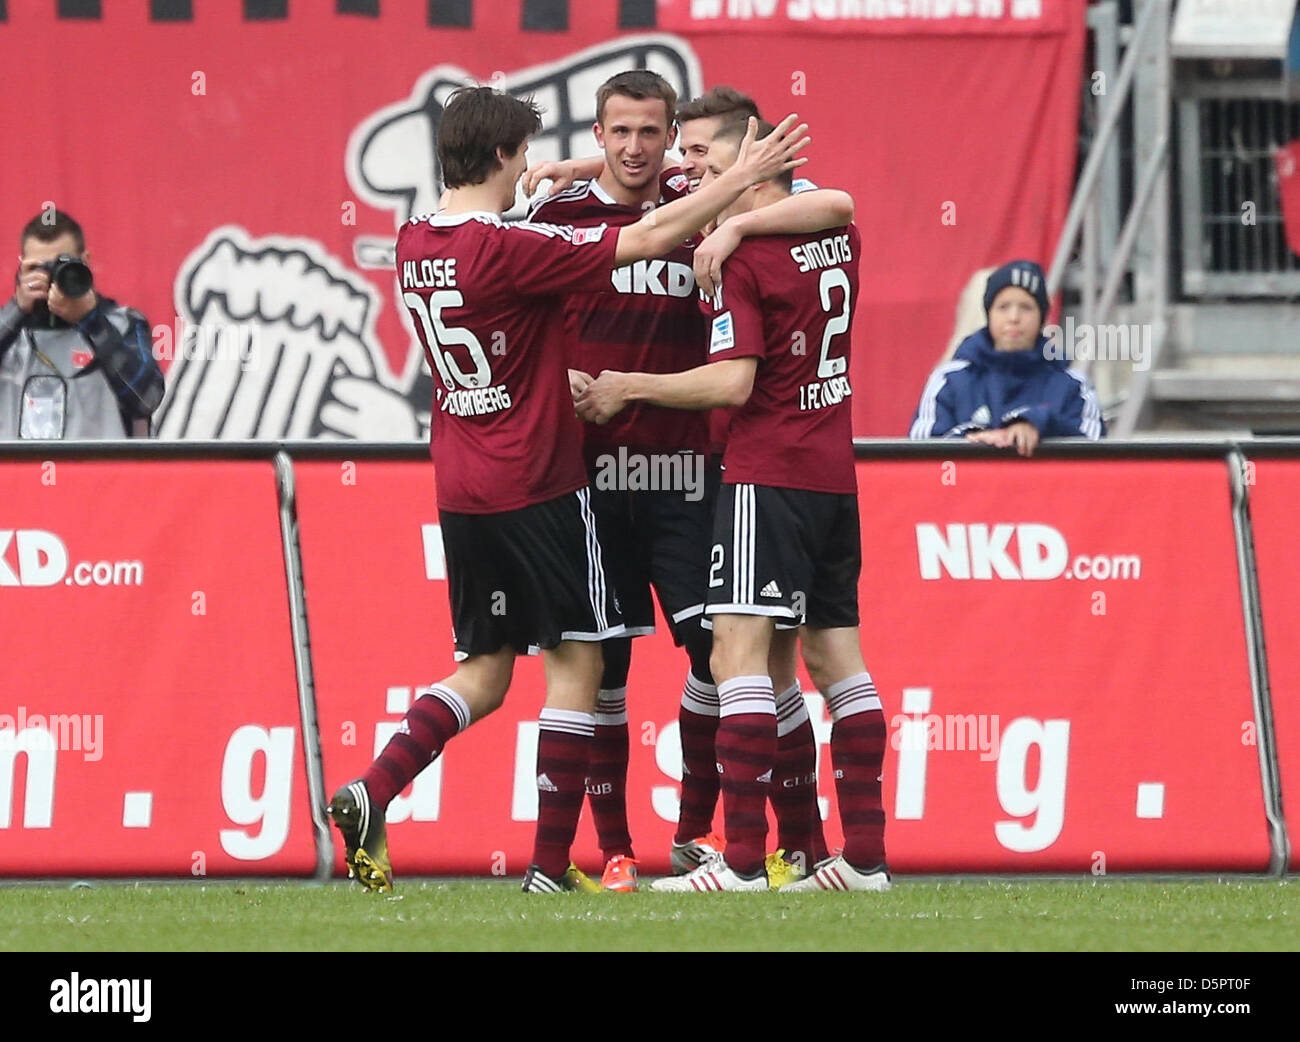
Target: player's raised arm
663	228
814	211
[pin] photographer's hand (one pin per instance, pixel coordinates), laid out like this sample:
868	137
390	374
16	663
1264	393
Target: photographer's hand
33	285
71	309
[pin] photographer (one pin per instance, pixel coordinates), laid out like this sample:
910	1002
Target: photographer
73	364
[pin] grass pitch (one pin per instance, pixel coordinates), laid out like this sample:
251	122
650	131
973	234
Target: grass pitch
918	915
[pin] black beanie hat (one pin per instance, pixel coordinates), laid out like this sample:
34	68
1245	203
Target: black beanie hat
1022	273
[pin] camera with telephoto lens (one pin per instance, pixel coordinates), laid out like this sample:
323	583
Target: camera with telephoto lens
70	274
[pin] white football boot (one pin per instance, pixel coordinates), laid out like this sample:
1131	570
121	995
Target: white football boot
686	857
837	874
713	875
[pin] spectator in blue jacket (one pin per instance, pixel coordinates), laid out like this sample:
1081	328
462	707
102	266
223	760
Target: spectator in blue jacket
1005	386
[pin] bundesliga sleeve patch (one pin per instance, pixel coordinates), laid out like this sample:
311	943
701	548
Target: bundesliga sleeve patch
723	337
581	235
677	182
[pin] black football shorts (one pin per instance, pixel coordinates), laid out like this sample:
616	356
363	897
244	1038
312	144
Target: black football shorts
528	578
659	539
788	553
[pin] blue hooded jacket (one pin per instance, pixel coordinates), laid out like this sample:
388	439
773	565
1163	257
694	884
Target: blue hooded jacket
983	389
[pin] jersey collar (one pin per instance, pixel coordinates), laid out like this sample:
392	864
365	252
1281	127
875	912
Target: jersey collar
446	220
609	200
603	195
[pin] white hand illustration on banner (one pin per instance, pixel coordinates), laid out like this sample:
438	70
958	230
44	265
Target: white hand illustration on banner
279	342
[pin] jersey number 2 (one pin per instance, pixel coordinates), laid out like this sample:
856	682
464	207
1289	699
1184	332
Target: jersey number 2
826	365
438	337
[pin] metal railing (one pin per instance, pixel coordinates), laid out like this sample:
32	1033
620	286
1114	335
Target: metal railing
1149	42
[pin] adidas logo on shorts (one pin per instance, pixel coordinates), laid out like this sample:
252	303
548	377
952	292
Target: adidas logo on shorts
770	590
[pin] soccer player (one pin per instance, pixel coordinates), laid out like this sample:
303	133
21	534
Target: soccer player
793	792
524	565
654	536
787	546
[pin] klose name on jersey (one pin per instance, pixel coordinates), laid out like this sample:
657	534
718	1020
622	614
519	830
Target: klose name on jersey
429	273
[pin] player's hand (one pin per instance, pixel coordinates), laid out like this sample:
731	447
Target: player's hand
71	309
579	382
559	171
604	397
763	160
33	285
1023	436
712	252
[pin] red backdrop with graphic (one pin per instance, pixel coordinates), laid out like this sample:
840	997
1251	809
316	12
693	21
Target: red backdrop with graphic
149	723
240	178
1018	620
1274	493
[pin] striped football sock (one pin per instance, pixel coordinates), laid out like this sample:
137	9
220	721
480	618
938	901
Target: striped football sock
858	754
746	746
563	752
697	721
794	782
436	716
607	776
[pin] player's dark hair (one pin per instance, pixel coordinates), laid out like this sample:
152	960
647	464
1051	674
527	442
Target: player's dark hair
49	225
720	101
476	122
735	133
638	85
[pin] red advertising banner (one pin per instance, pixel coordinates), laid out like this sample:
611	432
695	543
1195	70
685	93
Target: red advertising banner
149	723
911	17
1274	492
242	182
1063	645
1020	620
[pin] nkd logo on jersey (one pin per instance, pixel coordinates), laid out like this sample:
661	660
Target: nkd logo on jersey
657	278
983	551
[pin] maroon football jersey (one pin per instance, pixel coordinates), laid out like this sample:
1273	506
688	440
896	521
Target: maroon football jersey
788	301
720	419
649	324
486	299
